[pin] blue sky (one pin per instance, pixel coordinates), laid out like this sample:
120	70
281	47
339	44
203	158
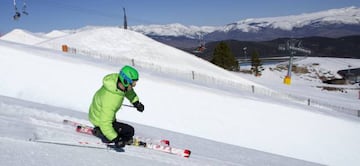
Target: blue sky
47	15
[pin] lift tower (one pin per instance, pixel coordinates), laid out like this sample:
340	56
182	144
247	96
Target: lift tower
125	19
292	46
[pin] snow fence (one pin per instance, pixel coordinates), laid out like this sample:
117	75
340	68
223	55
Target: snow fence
211	81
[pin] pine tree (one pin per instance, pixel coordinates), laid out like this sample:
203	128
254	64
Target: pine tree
224	58
256	66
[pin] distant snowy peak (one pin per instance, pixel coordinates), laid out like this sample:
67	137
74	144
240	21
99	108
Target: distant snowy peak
175	29
349	15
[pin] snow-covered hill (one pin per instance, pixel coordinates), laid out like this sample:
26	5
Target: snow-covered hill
126	46
51	79
25	37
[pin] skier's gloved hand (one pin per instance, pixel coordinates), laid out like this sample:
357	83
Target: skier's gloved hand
139	106
119	143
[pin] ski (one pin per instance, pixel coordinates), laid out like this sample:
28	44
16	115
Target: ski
86	129
168	149
111	146
163	146
160	145
89	130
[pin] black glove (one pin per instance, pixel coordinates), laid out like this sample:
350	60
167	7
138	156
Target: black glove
119	143
139	106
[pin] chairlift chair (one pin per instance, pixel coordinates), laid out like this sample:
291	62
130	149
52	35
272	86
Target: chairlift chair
201	47
24	9
17	14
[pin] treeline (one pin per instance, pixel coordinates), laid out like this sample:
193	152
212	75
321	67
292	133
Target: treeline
343	47
223	57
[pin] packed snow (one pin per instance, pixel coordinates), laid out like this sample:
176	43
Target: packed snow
40	86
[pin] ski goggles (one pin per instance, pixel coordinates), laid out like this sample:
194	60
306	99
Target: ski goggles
126	78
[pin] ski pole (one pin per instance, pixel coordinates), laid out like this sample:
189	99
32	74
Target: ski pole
126	105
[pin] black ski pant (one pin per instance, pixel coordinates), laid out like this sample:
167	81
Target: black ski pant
125	131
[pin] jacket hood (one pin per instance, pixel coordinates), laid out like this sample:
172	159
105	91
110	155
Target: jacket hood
110	83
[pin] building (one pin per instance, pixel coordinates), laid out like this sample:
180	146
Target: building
351	75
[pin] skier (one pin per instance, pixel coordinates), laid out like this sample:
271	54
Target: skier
108	100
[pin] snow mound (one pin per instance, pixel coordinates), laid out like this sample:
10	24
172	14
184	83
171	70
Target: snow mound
56	33
131	45
23	37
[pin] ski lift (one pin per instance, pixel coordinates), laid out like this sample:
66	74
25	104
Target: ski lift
201	48
24	8
17	14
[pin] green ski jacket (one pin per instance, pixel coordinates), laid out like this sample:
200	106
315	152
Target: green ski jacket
106	102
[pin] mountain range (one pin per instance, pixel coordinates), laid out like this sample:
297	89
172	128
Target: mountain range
332	23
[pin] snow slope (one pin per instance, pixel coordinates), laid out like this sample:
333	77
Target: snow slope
237	118
22	120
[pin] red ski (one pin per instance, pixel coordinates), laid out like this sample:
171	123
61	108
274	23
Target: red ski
162	145
82	128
